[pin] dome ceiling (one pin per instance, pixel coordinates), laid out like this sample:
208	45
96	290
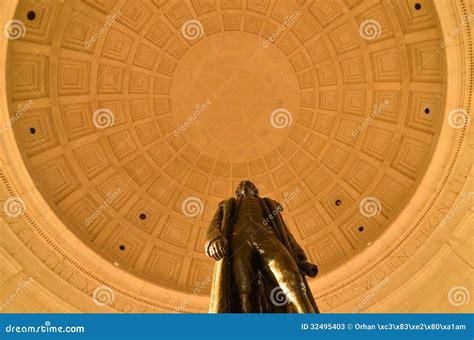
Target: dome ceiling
146	114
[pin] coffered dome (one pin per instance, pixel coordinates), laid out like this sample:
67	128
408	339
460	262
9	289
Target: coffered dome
142	116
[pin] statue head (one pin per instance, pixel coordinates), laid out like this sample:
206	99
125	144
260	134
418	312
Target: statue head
246	189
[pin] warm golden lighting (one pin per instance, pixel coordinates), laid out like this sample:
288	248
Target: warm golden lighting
123	125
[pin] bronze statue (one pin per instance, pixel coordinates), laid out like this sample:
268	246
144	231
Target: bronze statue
259	266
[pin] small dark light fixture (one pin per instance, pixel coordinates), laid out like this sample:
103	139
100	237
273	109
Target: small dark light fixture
122	247
142	216
427	110
361	229
338	202
31	15
417	6
32	130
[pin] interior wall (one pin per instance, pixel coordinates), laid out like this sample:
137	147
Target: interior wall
421	262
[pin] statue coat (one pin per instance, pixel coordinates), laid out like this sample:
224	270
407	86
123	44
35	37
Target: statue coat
221	227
